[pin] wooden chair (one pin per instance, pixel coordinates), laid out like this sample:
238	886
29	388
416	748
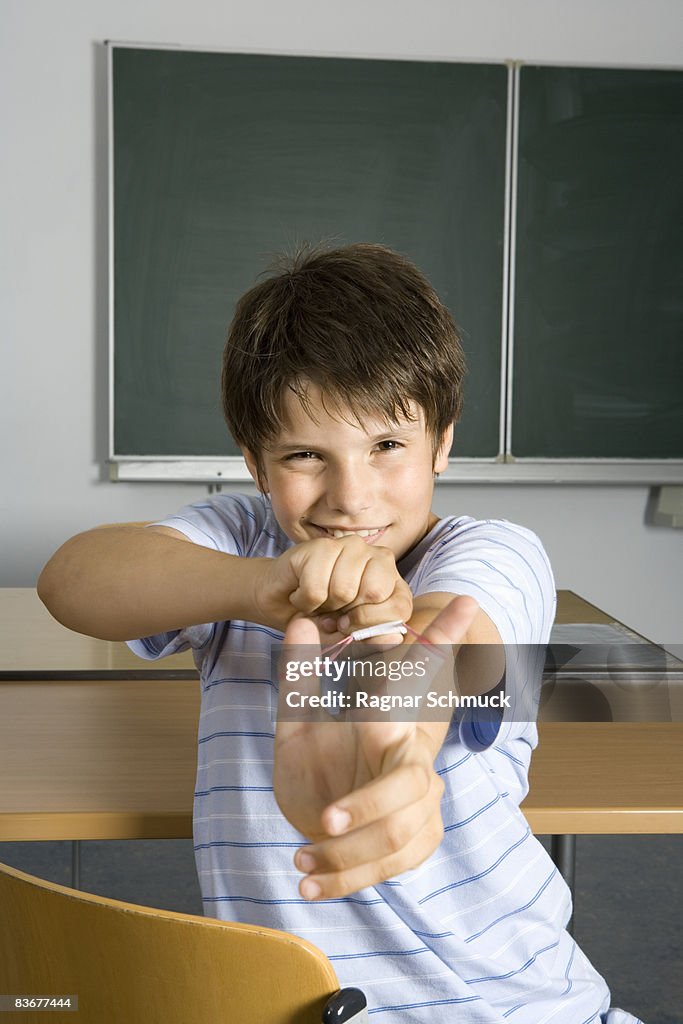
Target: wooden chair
146	966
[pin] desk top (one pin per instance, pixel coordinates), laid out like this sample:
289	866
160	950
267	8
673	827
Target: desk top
33	645
117	760
88	751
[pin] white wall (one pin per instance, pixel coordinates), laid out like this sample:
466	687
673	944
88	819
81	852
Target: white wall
53	329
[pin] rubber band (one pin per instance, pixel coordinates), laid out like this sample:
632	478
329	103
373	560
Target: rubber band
423	640
337	647
370	631
380	630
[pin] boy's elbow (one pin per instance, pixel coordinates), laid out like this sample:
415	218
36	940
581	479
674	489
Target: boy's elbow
43	587
57	582
86	585
47	586
55	593
51	591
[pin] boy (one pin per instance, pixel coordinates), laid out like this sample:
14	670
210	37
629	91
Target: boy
342	378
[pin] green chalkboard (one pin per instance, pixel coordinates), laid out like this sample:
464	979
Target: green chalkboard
598	351
220	161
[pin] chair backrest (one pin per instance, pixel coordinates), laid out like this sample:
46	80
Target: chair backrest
143	966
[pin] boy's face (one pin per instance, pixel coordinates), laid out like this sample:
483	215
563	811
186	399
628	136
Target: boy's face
328	477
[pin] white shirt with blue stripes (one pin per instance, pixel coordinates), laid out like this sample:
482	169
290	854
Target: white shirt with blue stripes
475	934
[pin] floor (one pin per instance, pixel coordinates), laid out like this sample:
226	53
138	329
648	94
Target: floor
628	904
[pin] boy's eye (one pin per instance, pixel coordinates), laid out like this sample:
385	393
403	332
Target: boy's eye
301	455
390	445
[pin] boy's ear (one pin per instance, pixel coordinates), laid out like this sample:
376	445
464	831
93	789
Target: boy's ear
252	466
441	460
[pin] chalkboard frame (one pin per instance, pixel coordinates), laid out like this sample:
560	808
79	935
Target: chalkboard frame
504	468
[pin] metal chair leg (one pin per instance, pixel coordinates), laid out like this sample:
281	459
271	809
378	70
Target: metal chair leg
76	864
563	853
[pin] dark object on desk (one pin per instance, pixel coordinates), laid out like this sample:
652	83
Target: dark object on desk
575	700
627	681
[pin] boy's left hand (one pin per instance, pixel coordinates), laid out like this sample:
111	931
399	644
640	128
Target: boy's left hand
364	792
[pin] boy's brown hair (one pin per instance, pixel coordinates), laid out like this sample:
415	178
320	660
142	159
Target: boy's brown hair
362	323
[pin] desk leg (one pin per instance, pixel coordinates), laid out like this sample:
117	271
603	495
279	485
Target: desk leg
75	864
563	853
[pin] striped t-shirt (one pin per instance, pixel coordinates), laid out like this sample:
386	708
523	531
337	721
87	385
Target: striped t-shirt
477	932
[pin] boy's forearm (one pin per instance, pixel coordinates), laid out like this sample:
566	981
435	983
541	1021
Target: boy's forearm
125	582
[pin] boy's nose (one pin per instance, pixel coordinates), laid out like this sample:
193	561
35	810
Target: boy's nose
349	491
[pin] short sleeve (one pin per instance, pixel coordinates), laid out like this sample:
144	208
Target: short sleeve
231	524
505	568
162	644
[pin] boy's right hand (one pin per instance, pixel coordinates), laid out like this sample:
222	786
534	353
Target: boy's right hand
332	576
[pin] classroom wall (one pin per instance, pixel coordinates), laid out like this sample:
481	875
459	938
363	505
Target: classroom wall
53	382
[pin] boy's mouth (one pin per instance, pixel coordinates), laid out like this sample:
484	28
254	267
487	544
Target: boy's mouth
369	534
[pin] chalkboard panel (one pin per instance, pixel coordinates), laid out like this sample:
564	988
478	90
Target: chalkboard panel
222	160
598	353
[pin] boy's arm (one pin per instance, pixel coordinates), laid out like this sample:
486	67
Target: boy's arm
127	581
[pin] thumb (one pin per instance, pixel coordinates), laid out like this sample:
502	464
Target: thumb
301	630
452	622
297	677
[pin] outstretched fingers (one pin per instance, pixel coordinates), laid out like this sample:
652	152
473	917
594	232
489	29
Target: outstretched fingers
388	826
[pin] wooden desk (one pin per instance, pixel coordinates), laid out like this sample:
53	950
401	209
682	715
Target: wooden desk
98	744
95	743
604	777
